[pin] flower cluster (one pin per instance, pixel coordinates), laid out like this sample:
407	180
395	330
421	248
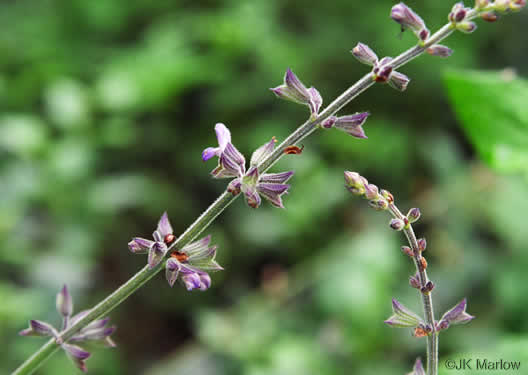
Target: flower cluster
95	331
191	262
403	316
253	184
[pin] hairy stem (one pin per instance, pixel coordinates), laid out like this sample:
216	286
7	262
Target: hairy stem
427	300
225	199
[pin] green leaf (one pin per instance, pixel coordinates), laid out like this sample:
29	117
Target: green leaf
491	107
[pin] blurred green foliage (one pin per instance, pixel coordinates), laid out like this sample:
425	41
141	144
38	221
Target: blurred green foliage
492	109
105	108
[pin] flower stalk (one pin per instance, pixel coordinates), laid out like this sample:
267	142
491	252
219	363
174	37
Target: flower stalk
226	198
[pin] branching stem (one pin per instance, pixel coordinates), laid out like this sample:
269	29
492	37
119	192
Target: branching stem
224	200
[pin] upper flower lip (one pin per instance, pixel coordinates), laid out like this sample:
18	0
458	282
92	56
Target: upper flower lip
223	135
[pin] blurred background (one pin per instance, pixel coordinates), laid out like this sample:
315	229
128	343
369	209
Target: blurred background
105	109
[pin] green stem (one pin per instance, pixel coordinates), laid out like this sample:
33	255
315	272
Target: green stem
225	199
427	300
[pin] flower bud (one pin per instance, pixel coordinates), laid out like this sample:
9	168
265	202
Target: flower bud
458	13
439	50
371	191
387	195
407	251
467	27
413	215
418	368
407	18
355	183
379	204
398	81
516	5
422	244
234	186
489	17
479	4
64	302
501	5
397	224
427	288
414	281
364	54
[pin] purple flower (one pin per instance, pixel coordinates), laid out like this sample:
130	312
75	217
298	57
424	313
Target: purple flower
407	18
384	73
413	215
223	135
456	315
364	54
439	50
294	90
231	163
403	317
418	368
95	331
191	263
163	237
458	13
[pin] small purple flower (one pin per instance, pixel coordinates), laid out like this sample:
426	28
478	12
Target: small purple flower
456	315
384	73
64	302
231	163
466	27
163	237
458	13
191	263
269	185
403	317
398	81
96	330
397	224
439	50
413	215
351	124
422	244
223	135
418	368
407	18
364	54
294	90
414	281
